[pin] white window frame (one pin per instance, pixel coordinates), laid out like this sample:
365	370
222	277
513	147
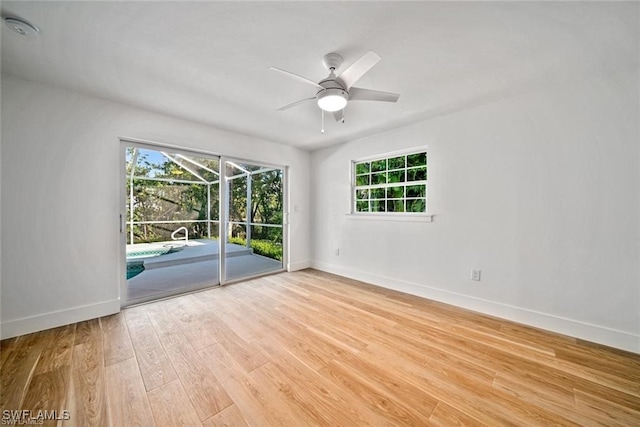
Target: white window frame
396	216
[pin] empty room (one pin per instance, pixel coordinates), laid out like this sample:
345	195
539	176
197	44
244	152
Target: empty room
320	213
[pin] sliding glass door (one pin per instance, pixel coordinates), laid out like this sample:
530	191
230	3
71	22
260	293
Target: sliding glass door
171	226
254	227
172	222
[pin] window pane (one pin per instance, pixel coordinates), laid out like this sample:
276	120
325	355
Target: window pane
379	178
378	206
416	205
396	163
362	206
379	165
362	168
395	192
416	190
362	194
396	176
419	159
377	193
393	184
395	205
419	174
362	180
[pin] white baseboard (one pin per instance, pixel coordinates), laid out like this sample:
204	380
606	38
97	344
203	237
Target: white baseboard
577	329
27	325
300	265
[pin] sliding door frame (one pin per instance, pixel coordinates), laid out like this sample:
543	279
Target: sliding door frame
224	217
223	212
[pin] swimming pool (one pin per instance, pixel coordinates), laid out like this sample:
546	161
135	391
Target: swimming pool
136	254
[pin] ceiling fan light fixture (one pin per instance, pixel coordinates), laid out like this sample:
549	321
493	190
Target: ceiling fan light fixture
331	100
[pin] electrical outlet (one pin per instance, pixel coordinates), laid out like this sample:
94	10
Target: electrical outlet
337	252
475	275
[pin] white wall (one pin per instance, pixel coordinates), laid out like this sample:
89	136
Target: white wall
540	191
60	198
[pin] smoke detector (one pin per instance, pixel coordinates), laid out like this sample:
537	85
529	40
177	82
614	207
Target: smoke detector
21	27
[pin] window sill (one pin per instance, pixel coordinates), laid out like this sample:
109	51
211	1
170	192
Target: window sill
392	217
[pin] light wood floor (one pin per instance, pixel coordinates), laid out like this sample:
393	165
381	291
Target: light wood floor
309	348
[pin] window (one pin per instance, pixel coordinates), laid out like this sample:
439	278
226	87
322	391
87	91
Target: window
391	184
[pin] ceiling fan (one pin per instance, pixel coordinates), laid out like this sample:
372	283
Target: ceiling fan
334	92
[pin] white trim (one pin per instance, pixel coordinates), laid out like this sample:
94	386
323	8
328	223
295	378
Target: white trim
391	217
223	215
122	241
300	265
286	218
574	328
41	322
396	153
158	145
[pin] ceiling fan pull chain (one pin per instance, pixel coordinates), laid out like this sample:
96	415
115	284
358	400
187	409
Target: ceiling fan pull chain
322	128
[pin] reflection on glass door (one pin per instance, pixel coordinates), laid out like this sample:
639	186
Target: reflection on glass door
172	222
254	220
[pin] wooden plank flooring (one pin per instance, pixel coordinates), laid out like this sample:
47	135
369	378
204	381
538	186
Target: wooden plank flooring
310	348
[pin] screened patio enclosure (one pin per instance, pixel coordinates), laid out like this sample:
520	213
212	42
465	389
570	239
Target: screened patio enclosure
174	204
168	191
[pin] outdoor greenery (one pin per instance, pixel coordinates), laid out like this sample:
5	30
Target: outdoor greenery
173	193
261	247
266	204
395	184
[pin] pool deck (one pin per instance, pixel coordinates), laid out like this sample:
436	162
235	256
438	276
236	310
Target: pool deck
193	267
194	251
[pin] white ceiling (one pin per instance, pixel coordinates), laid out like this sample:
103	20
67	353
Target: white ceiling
208	61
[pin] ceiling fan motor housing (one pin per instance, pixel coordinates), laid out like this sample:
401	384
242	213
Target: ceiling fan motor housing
332	61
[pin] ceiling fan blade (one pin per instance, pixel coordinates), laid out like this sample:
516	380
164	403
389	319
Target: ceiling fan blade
339	116
359	68
359	94
302	79
293	104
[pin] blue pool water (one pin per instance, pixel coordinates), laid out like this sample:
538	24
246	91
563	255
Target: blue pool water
134	269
